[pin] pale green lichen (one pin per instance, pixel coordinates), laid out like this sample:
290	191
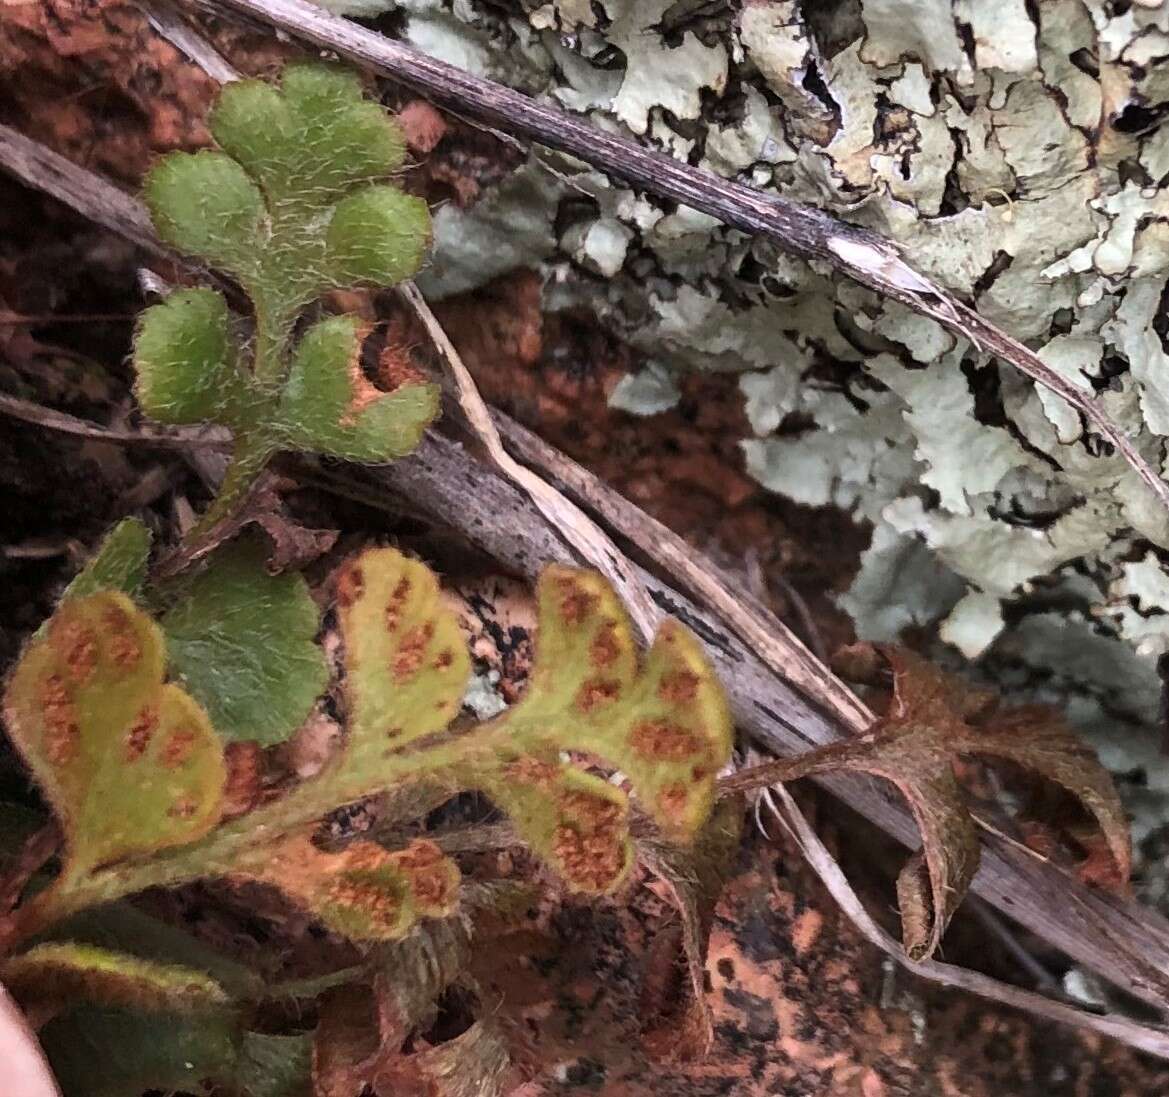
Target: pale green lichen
648	392
1017	154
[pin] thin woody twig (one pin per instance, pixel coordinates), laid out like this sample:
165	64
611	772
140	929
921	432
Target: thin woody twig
798	230
44	319
147	435
174	27
39	167
590	540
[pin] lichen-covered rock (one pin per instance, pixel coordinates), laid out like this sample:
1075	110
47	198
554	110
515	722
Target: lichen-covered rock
1017	154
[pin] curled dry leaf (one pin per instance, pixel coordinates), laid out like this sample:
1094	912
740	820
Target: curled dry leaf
932	721
413	973
364	1034
353	1054
683	1029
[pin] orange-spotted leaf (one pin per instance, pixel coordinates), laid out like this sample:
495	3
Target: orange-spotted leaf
406	662
665	724
131	765
364	892
91	712
576	821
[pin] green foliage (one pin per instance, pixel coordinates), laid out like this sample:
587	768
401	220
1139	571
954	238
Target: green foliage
295	205
241	642
160	1024
119	563
109	1052
189	367
134	768
124	720
205	997
123	928
205	204
372	237
136	773
328	405
114	1051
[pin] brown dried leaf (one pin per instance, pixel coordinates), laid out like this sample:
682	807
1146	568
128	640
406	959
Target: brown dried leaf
345	1042
683	1029
294	546
422	125
360	1044
1036	737
932	721
415	971
473	1064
